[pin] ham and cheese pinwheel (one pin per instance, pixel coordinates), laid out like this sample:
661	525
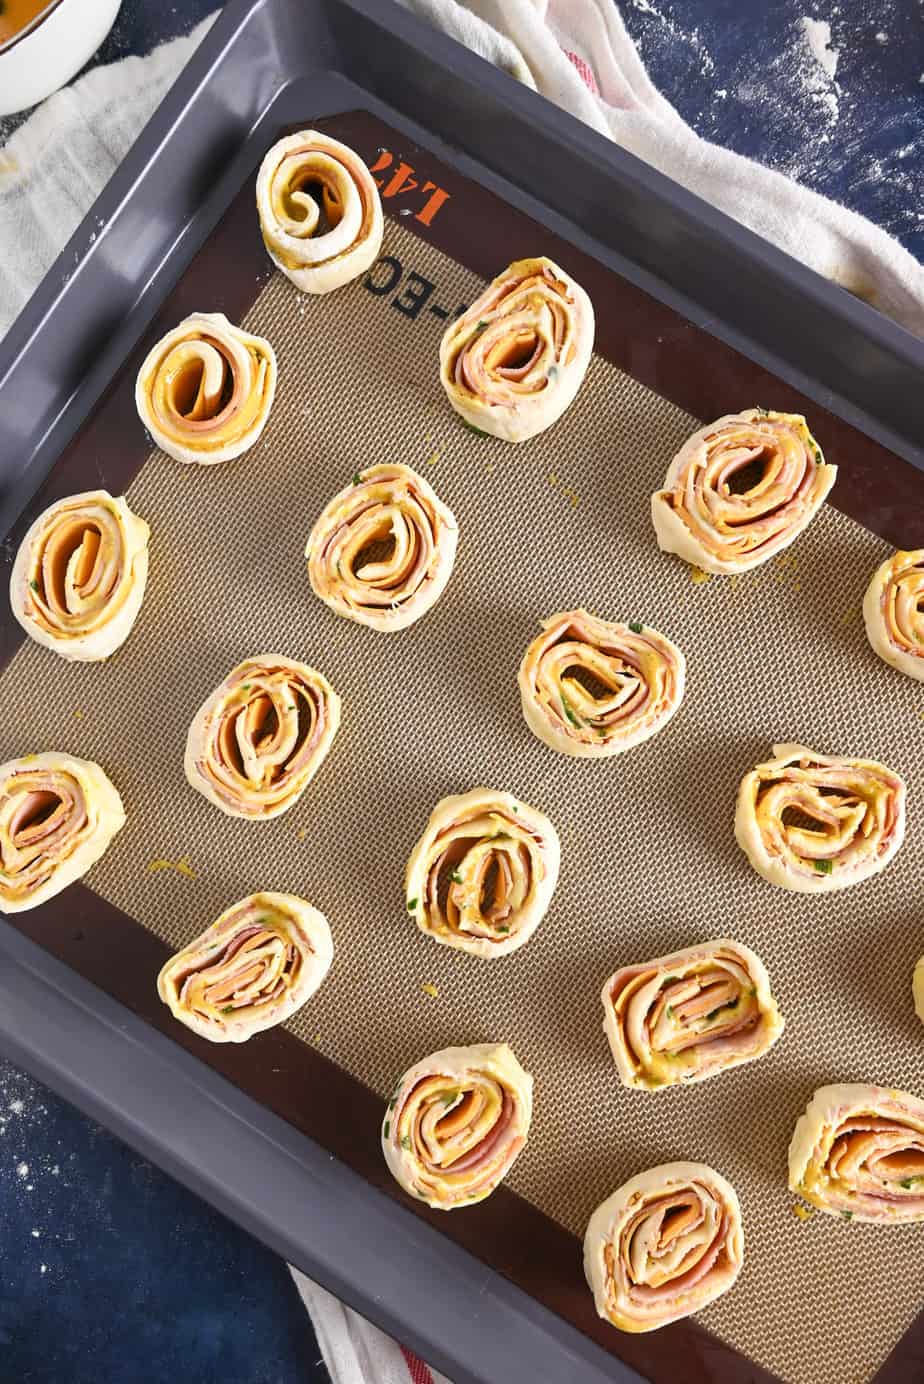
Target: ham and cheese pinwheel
854	810
482	875
79	576
689	1015
205	390
893	611
666	1244
264	957
917	988
292	175
456	1122
382	551
257	742
593	688
740	490
513	362
858	1152
57	816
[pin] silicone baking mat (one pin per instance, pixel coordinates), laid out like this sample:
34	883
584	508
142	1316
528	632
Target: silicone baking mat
649	862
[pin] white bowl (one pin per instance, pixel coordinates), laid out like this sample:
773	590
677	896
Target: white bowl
47	55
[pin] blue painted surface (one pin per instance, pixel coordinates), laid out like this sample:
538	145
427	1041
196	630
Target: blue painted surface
110	1271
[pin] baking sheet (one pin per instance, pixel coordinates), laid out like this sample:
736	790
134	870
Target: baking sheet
648	857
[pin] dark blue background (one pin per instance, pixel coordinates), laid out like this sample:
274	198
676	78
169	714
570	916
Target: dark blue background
110	1271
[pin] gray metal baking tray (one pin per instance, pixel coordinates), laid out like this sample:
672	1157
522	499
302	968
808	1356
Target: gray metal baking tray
269	65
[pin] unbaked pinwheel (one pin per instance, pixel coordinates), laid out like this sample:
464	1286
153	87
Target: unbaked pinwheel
456	1122
689	1015
482	875
57	816
893	611
264	957
917	988
740	490
294	173
259	739
205	390
593	688
513	362
664	1245
858	1152
79	576
815	822
382	551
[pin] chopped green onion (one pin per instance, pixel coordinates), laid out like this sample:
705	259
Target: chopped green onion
848	1215
733	1004
449	1097
34	585
503	927
824	867
411	905
229	1009
455	877
357	478
387	1128
405	1141
569	712
636	626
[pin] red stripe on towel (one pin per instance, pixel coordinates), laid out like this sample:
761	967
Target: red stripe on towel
585	72
419	1372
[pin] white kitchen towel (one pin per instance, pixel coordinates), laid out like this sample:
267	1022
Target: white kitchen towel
355	1351
55	165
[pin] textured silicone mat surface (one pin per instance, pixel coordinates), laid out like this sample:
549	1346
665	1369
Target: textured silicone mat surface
649	862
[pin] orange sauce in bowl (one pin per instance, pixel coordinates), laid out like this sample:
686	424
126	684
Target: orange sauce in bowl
16	15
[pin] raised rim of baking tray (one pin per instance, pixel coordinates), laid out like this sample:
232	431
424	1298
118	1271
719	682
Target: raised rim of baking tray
253	73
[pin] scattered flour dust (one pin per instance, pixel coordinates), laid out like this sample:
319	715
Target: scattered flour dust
818	38
23	1172
691	38
818	80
